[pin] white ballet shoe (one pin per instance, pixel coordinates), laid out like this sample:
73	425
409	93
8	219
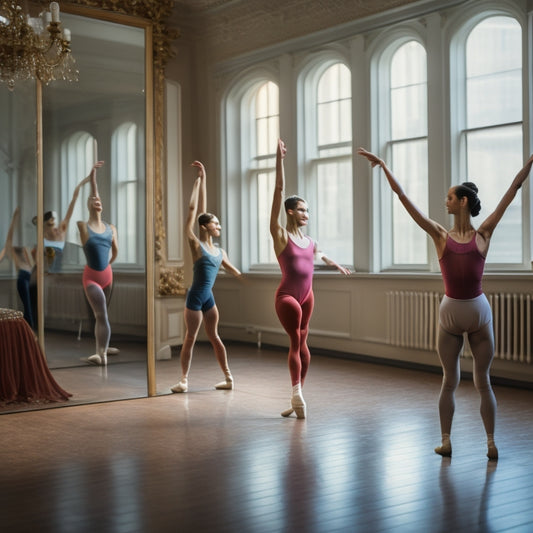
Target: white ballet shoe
299	406
112	351
96	359
181	386
287	412
227	384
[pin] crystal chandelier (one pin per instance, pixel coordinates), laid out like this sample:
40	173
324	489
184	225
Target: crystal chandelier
34	47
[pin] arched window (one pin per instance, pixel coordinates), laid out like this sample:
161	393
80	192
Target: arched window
77	158
402	243
263	131
328	178
126	184
492	136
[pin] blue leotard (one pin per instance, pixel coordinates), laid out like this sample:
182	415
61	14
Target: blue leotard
54	253
97	248
200	294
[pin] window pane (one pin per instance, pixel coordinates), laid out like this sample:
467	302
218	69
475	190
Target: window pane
409	241
265	192
494	158
335	226
334	106
494	72
266	118
409	92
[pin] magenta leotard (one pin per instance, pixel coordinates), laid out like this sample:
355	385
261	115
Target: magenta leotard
296	265
462	267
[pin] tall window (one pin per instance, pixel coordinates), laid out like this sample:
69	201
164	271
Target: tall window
126	180
405	244
263	144
331	185
492	138
77	158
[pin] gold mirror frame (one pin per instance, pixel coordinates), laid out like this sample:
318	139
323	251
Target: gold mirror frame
151	15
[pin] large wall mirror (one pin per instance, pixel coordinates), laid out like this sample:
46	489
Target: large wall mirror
104	116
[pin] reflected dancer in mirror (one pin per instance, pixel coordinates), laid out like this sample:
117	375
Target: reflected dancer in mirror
99	241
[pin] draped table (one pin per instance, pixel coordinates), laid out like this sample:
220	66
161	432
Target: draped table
24	374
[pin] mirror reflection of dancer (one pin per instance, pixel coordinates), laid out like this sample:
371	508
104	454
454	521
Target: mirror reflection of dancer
55	235
99	241
464	308
200	303
294	297
24	264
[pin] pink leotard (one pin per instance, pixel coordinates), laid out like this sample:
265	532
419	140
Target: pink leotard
462	266
296	265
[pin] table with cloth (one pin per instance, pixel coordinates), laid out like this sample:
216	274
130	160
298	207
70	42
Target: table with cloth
24	374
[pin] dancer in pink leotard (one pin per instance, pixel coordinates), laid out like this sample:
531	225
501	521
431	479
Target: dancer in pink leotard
294	298
464	308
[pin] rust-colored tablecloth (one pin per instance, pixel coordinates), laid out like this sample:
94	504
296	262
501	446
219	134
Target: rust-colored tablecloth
24	374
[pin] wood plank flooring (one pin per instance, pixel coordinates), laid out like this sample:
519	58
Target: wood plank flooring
226	461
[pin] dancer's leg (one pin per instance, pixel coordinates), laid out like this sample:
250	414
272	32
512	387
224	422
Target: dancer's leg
449	348
482	346
193	319
211	317
305	354
102	329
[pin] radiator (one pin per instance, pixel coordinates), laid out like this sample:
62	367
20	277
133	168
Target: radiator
413	319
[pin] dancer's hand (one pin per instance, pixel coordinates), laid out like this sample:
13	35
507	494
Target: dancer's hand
201	168
375	161
282	150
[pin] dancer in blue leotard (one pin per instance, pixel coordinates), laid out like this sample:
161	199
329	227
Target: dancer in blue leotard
99	241
24	264
200	303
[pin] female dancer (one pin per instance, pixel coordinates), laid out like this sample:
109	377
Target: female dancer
55	235
294	297
200	303
464	308
99	241
24	264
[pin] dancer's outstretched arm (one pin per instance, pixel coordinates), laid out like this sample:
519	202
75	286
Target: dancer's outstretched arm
278	232
434	229
489	224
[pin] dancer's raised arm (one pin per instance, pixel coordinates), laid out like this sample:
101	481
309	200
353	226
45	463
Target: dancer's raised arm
8	247
278	232
434	229
489	224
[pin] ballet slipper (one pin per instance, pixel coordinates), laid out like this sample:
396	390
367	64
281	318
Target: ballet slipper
181	386
227	384
287	412
298	404
97	359
445	449
112	351
492	451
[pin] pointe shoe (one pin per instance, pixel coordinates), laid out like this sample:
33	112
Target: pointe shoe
445	450
112	351
227	384
492	452
287	412
298	404
181	386
96	359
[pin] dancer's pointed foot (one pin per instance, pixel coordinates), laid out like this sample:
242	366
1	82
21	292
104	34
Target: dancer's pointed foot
287	412
97	359
112	351
298	404
227	384
492	451
445	449
181	386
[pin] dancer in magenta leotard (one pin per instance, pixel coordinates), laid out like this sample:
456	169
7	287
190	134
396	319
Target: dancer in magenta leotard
294	297
99	241
464	308
200	303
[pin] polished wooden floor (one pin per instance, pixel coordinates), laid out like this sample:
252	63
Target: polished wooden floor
225	461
